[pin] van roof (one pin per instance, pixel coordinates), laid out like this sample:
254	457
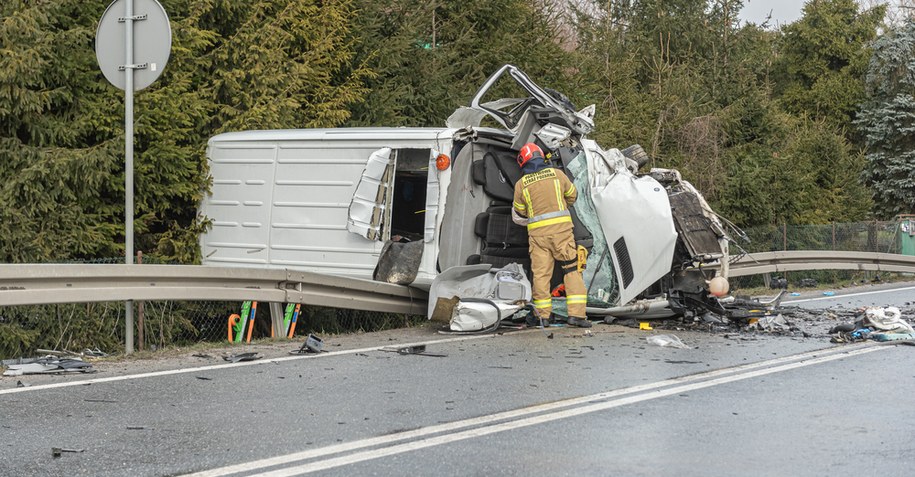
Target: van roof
333	134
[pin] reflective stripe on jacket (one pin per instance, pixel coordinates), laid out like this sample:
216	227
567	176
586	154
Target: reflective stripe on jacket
545	197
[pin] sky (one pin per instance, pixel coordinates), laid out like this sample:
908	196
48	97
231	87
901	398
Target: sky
783	11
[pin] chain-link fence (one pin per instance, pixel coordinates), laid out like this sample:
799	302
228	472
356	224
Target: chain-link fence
856	236
77	326
874	236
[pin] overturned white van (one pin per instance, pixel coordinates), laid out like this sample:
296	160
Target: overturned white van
404	204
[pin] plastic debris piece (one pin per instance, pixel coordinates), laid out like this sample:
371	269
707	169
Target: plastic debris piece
314	344
893	336
644	325
829	293
671	341
887	319
795	294
242	357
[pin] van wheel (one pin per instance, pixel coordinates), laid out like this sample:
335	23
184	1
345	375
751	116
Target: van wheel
637	154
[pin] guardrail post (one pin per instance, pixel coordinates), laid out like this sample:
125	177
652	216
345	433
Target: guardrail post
141	319
276	320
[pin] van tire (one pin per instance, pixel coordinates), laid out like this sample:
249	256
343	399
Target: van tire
637	154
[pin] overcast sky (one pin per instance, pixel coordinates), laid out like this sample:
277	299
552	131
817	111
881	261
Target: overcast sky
783	11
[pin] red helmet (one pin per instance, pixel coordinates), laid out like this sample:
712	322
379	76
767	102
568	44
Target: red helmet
528	152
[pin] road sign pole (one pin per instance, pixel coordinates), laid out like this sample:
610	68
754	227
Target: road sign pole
128	168
152	38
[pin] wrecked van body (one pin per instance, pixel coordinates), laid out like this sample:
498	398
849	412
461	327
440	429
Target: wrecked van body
404	204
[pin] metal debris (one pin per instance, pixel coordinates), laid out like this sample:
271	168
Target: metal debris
417	350
57	451
235	358
49	365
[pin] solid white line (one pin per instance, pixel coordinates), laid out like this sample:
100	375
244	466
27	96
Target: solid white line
236	365
545	418
513	414
834	297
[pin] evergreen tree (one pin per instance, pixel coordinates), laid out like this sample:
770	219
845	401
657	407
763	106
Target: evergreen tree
430	57
235	64
822	60
887	119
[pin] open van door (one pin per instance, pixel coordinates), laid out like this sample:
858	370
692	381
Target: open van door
432	197
637	222
370	208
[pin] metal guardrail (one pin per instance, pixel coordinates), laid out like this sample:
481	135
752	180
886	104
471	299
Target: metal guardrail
786	261
40	284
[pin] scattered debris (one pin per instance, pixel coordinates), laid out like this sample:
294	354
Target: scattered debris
808	283
235	358
417	350
204	378
57	451
20	384
312	344
876	323
49	365
202	355
100	400
138	428
770	323
666	341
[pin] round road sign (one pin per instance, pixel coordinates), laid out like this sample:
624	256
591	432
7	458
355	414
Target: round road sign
152	42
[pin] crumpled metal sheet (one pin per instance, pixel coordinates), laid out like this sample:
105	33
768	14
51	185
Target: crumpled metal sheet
49	365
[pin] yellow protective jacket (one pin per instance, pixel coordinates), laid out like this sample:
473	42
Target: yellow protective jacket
544	197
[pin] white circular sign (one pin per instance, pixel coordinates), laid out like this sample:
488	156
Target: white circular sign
152	42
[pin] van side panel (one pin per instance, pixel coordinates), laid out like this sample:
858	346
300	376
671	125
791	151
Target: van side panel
281	198
314	185
240	204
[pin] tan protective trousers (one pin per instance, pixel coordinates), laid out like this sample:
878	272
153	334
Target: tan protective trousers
545	250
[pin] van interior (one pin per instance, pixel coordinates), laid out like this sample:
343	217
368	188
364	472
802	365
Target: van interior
408	207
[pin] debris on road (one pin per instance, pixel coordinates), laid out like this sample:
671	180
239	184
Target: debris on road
875	323
48	365
235	358
417	350
770	323
671	341
312	344
57	451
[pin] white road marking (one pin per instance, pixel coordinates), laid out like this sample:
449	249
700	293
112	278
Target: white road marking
528	416
834	297
261	361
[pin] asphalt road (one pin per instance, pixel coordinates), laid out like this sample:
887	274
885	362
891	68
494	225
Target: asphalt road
513	404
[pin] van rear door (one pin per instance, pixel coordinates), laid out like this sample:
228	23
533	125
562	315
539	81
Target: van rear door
369	209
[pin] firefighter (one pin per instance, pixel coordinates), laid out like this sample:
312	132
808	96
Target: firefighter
543	195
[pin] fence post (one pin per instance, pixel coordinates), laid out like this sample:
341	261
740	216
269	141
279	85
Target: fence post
872	236
785	236
833	235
